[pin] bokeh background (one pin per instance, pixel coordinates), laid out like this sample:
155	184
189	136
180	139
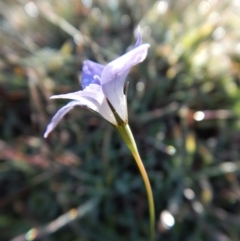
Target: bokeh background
184	105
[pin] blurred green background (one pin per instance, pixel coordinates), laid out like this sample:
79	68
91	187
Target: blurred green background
184	105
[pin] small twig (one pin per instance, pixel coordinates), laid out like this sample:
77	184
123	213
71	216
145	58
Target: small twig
158	113
46	10
218	170
60	222
36	102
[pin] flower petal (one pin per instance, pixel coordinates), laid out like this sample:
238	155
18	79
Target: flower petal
94	93
139	37
90	69
93	98
76	96
114	75
58	116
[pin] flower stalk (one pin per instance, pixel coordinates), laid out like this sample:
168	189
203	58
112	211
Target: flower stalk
128	138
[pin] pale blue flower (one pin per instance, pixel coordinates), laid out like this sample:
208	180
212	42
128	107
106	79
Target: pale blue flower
103	87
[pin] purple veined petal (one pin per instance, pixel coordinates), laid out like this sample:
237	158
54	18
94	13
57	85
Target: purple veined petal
114	75
58	116
139	37
89	70
92	91
76	96
93	98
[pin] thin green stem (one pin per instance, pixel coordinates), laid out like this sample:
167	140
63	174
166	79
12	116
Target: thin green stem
127	136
